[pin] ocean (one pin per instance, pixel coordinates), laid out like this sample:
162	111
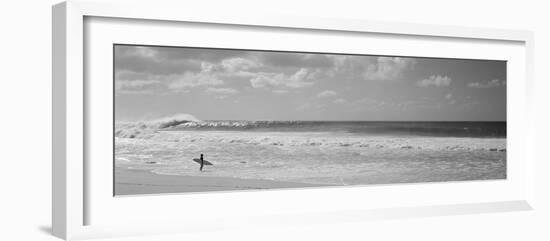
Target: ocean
316	152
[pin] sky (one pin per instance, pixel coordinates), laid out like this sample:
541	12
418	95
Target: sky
221	84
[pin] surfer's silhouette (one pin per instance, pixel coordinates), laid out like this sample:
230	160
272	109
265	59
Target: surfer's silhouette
202	162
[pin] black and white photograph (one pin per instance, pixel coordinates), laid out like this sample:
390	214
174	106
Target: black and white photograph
192	119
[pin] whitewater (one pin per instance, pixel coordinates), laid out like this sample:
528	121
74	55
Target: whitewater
315	152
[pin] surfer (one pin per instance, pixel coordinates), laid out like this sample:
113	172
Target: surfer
202	162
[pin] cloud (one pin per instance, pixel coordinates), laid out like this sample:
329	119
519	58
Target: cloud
137	86
180	69
295	60
148	60
129	82
239	64
169	67
198	54
326	93
371	67
296	80
436	81
449	99
189	80
226	91
488	84
388	68
340	101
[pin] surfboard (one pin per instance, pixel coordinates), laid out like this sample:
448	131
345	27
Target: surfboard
206	163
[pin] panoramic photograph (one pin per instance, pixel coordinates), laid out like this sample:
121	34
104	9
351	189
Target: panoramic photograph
190	119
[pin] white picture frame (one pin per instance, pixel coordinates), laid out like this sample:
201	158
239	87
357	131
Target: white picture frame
74	199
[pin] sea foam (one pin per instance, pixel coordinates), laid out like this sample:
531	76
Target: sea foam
146	129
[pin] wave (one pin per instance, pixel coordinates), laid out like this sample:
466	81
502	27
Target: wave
442	129
450	129
327	142
243	124
145	129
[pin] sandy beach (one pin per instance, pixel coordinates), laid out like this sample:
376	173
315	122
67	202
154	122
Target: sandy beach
132	182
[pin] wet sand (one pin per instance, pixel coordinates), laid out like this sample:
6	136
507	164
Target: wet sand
135	182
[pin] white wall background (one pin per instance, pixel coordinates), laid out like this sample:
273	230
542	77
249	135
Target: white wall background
25	99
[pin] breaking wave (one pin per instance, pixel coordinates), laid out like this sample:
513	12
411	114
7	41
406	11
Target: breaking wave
244	124
145	129
181	122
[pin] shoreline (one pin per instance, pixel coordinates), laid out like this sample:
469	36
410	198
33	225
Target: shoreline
137	182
